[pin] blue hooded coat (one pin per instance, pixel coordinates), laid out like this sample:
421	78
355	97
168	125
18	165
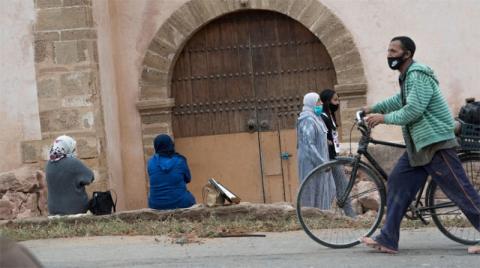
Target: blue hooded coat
169	174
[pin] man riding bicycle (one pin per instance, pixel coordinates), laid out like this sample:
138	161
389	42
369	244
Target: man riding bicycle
428	131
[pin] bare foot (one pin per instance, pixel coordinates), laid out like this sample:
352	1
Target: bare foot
369	242
474	249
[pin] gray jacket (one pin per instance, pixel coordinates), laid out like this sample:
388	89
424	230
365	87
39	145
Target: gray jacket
66	180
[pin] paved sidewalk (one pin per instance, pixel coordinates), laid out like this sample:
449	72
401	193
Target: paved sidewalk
425	247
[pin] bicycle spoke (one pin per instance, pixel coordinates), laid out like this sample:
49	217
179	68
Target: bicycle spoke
331	226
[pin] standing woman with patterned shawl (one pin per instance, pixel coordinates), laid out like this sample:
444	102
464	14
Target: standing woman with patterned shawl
312	150
66	179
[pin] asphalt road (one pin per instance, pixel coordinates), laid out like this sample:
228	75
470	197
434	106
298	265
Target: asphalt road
419	248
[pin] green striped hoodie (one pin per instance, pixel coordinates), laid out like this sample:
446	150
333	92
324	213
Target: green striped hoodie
426	115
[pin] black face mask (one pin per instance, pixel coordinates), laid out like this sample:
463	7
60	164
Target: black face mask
395	62
333	107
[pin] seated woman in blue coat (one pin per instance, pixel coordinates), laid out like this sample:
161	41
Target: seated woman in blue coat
169	174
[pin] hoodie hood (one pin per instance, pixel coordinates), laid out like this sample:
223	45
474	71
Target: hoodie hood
418	67
165	164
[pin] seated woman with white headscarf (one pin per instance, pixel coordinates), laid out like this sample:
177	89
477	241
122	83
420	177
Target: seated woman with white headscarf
66	179
312	150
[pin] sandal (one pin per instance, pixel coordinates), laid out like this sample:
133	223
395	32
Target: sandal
370	242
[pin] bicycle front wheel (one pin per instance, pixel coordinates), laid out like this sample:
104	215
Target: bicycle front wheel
447	216
328	220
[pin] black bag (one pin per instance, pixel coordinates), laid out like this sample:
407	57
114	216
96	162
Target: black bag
102	203
470	112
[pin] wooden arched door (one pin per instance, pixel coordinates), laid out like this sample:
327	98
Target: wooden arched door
238	87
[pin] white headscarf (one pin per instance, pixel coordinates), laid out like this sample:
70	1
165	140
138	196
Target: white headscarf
310	100
63	146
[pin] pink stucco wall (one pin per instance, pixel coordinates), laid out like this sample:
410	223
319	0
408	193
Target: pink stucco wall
132	26
442	29
19	119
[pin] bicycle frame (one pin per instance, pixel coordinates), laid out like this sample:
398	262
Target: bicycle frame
417	211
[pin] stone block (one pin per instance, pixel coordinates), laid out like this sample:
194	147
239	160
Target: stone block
66	52
49	104
151	76
357	102
344	60
333	32
354	75
156	128
325	19
208	10
156	61
87	147
64	18
47	36
162	48
153	91
71	52
48	87
44	51
77	101
157	118
171	35
66	119
48	3
338	45
78	34
311	13
185	21
77	83
348	90
67	3
87	50
298	7
8	181
7	209
280	6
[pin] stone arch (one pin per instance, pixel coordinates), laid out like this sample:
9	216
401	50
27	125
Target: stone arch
155	103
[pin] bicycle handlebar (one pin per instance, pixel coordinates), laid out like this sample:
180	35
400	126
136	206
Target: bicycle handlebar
360	116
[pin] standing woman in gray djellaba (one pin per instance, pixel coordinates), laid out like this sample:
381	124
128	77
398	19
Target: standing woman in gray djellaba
312	150
66	179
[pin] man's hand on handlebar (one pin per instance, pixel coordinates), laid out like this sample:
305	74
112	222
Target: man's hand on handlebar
375	119
366	109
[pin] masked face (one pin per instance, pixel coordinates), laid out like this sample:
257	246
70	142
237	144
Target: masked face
334	103
395	62
396	55
318	110
333	107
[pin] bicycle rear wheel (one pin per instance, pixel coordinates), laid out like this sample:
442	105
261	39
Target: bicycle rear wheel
328	223
450	220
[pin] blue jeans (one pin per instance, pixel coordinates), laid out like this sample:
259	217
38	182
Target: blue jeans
405	181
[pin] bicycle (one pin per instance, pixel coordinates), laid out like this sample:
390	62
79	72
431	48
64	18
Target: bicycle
365	191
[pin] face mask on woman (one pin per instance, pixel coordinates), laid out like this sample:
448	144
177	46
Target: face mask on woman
318	110
333	107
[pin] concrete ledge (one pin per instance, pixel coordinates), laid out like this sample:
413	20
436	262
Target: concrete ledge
245	210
